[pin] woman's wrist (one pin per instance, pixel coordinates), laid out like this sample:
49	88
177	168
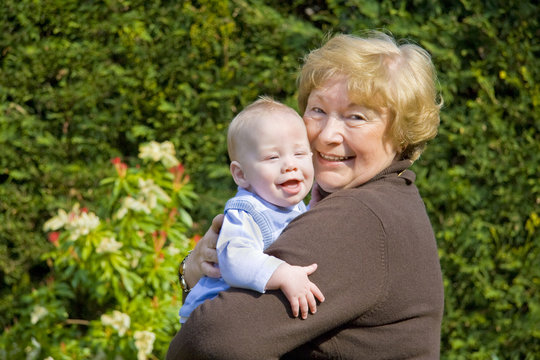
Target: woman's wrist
192	268
201	260
182	274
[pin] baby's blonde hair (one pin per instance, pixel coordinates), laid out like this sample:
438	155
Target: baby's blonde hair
381	74
239	128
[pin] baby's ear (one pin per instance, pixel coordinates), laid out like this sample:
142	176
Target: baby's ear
238	175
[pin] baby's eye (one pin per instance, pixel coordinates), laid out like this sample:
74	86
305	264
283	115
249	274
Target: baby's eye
272	157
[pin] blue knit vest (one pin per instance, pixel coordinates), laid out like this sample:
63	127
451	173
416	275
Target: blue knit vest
270	218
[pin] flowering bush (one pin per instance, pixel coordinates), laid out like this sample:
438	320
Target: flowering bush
112	289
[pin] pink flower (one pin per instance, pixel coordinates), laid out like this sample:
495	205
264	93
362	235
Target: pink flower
194	240
159	240
177	170
116	161
121	168
180	178
172	215
53	238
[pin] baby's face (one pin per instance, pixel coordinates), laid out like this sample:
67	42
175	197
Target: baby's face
277	159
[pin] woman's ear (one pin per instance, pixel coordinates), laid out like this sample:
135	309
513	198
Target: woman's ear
238	175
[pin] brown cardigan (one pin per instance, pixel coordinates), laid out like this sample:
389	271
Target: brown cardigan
378	268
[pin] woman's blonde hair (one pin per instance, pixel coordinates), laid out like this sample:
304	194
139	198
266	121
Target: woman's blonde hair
239	128
382	74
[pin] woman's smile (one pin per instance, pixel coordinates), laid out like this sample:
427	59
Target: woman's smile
328	157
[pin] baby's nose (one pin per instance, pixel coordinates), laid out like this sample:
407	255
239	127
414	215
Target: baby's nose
289	166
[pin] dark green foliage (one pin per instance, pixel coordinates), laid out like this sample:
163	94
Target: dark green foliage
84	81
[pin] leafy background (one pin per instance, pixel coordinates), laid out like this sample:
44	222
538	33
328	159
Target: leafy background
82	82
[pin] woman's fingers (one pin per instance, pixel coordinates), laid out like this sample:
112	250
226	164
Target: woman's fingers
217	222
210	255
205	251
210	270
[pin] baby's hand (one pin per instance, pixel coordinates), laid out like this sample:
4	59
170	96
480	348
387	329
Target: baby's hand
301	293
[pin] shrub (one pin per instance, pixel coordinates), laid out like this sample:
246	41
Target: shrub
112	288
86	81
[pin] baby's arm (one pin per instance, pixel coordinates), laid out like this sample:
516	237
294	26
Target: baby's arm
243	264
241	256
299	290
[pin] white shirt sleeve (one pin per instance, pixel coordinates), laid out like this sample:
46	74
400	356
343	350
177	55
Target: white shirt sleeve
240	253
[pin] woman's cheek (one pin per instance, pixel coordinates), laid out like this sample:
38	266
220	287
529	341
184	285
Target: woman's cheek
311	127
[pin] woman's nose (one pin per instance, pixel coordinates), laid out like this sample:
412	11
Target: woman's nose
331	131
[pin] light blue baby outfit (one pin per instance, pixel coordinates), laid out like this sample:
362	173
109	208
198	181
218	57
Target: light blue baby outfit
251	224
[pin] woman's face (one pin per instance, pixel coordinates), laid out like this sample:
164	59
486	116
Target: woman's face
350	142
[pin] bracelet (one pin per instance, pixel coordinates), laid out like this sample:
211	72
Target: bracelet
181	272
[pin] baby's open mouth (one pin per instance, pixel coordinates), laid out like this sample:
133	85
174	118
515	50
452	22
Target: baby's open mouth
292	187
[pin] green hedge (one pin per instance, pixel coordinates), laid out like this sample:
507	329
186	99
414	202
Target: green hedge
84	81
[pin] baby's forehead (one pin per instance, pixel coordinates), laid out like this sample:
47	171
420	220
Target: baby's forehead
277	129
277	119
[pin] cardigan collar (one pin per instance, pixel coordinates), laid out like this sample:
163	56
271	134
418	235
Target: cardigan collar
398	168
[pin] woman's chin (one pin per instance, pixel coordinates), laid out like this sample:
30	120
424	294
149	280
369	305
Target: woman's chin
329	182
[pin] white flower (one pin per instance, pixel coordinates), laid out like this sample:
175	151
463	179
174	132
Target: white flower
156	152
168	157
81	224
38	313
173	251
121	212
57	221
134	258
49	358
119	321
144	342
32	351
151	151
130	203
108	244
152	192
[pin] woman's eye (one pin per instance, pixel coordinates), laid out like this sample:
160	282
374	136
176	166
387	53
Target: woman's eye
317	110
357	117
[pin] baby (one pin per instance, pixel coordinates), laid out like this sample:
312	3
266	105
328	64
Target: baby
272	166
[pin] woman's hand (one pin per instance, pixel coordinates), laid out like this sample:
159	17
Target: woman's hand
203	257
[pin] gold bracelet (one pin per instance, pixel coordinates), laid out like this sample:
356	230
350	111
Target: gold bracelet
181	272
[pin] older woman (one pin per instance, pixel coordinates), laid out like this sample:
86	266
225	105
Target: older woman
370	105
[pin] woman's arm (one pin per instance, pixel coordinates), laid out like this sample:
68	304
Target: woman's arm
241	324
